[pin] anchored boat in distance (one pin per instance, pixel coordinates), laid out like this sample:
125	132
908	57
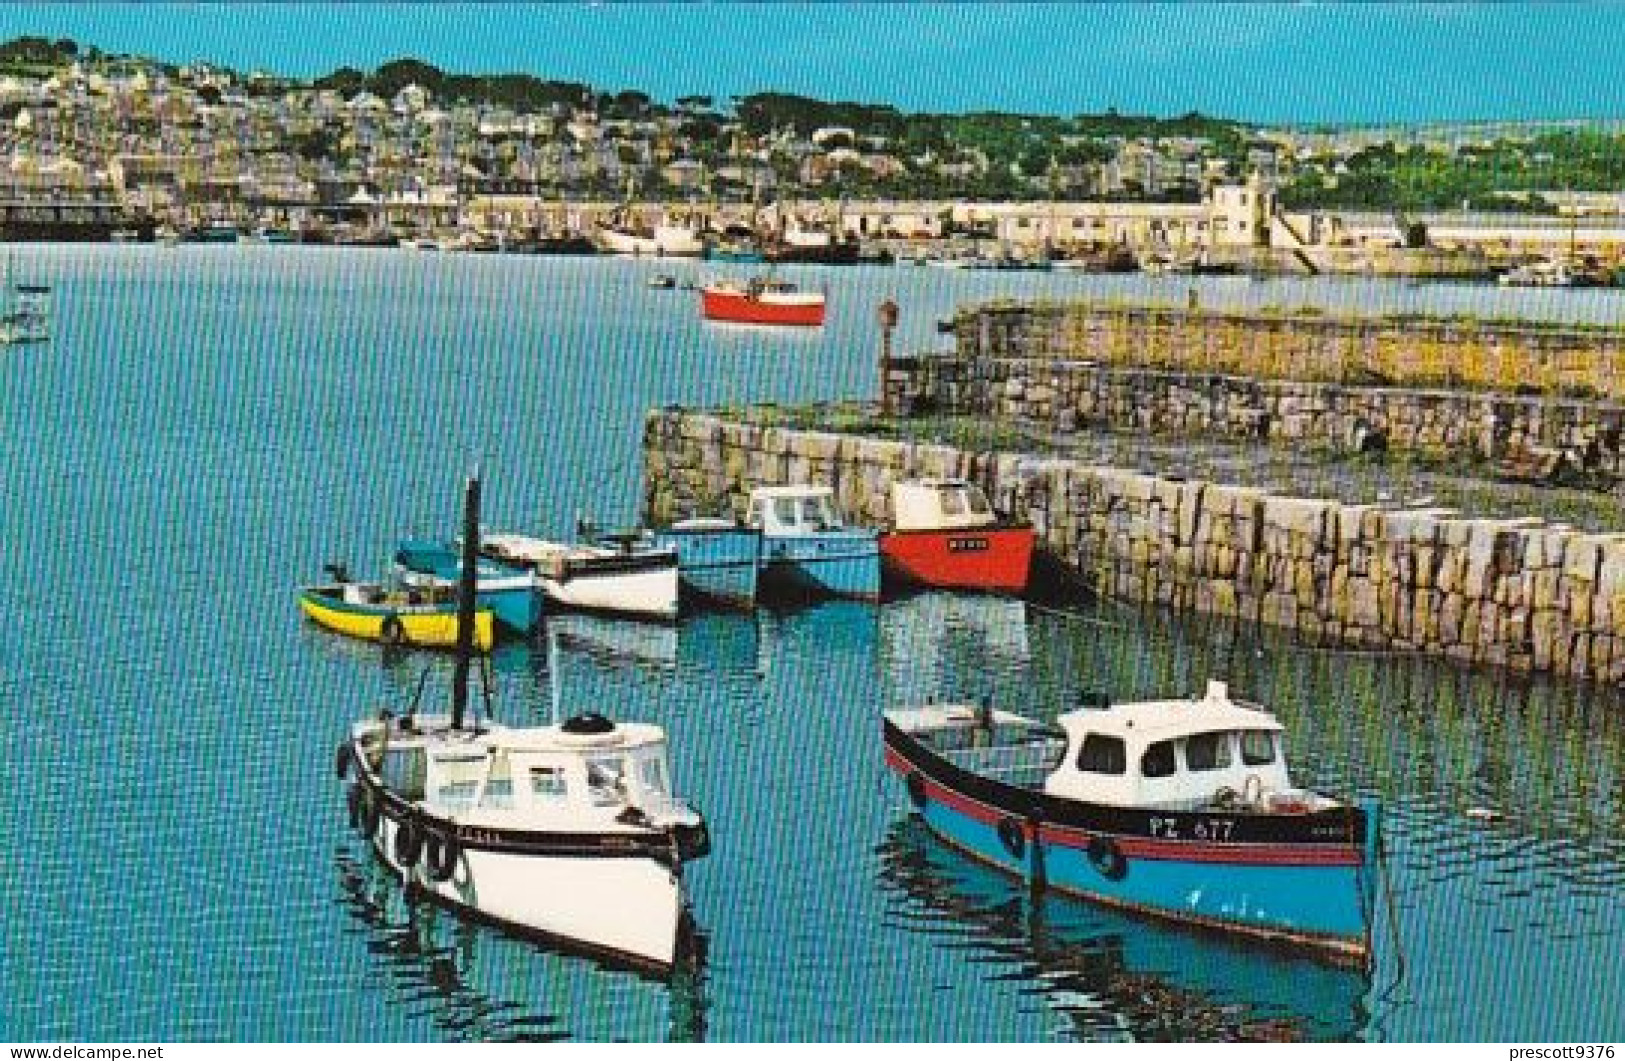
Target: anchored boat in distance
762	300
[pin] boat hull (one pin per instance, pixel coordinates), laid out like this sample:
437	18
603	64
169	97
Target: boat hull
830	564
664	242
637	582
996	559
716	566
1303	880
511	593
648	592
740	308
386	624
614	895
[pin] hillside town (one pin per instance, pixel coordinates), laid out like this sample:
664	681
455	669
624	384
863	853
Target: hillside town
99	148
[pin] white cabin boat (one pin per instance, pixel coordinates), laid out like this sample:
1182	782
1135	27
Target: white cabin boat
569	832
658	241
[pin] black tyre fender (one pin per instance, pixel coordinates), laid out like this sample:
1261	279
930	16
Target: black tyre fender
915	784
393	631
1013	837
341	761
408	843
441	853
1107	858
352	800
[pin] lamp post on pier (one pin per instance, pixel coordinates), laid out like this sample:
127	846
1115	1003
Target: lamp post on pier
888	321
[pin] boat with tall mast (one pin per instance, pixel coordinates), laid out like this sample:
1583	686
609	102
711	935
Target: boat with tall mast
569	832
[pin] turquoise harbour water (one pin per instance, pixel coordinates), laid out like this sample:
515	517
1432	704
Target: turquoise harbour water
210	425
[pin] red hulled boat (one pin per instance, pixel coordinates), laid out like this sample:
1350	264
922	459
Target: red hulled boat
946	535
762	301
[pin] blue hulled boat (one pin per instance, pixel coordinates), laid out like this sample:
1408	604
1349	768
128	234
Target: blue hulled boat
1180	809
510	591
806	548
716	559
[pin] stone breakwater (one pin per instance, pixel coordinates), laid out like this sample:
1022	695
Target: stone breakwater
1068	396
1508	593
1509	356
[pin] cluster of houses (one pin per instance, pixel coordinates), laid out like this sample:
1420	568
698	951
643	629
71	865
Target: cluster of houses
134	147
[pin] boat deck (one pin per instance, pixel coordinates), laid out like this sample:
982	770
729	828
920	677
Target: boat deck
997	745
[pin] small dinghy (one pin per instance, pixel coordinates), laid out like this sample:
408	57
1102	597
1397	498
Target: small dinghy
395	615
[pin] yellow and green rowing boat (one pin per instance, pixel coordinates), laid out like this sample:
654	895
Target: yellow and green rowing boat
393	617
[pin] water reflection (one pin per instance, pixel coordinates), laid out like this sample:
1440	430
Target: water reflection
1104	977
471	983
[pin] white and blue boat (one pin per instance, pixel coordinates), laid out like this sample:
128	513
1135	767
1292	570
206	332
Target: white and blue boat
807	550
1179	809
716	560
511	592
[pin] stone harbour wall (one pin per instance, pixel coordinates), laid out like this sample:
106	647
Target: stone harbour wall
1078	395
1508	593
1512	356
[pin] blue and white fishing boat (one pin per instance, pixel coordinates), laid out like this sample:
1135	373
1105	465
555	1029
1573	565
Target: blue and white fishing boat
1180	809
512	592
716	559
807	550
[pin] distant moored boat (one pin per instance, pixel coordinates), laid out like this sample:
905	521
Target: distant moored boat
762	301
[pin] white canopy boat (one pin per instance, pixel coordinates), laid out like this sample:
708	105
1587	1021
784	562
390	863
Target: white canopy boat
568	832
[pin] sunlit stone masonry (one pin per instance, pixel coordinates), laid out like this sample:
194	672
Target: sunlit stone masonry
1512	593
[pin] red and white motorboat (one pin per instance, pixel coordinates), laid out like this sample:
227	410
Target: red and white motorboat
762	301
945	534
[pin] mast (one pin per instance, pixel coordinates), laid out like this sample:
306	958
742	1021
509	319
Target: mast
467	583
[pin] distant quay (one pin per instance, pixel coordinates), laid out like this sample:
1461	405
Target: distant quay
1224	234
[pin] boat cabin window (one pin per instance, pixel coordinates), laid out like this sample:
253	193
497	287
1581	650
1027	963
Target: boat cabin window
403	772
1158	760
1207	751
952	499
458	777
1102	755
498	791
605	786
784	511
977	501
547	783
652	775
1257	747
757	514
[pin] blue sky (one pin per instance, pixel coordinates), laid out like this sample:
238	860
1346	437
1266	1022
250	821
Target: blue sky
1303	62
